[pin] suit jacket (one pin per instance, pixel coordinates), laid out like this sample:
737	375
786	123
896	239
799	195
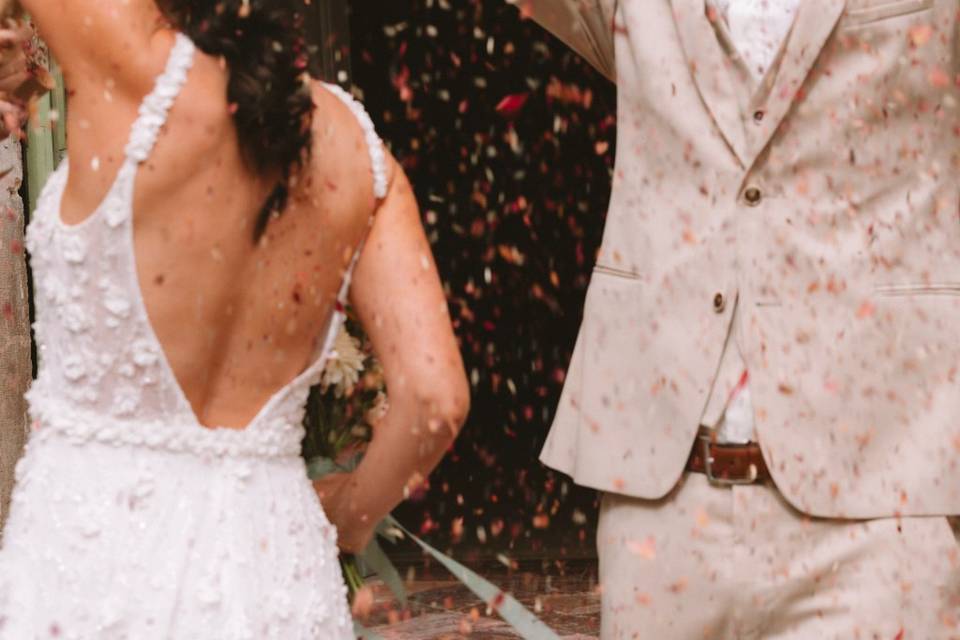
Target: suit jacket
823	203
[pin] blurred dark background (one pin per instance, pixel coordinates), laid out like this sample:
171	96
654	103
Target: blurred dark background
508	139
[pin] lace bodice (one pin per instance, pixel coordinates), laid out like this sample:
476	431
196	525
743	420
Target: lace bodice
103	374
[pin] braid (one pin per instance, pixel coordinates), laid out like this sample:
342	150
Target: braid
263	46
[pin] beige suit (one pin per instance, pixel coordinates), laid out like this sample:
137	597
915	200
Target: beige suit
822	205
827	201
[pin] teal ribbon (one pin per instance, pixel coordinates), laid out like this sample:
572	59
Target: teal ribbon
507	607
362	632
373	558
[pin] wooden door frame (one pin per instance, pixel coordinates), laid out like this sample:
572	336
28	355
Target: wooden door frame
46	139
328	31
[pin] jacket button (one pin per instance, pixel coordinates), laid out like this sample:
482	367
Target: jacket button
719	303
758	115
753	196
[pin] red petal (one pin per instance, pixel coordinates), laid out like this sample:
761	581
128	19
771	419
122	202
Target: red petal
512	104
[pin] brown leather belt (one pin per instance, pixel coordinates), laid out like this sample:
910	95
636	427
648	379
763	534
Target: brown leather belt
727	464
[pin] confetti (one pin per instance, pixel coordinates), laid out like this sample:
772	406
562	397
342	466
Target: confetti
493	120
511	105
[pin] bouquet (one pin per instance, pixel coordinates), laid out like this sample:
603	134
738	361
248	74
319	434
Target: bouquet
39	79
341	413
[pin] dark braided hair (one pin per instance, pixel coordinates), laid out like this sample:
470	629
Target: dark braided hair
263	46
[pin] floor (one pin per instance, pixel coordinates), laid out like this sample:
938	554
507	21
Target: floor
565	598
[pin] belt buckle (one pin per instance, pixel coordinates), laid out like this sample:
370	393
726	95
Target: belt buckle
723	482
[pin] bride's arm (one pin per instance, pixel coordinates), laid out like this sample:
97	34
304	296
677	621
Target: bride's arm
400	302
23	74
99	40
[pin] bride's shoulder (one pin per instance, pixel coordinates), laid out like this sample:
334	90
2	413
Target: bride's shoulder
334	105
342	184
344	136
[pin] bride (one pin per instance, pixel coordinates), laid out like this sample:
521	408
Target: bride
192	260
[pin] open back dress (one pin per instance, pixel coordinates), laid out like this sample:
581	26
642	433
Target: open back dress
130	520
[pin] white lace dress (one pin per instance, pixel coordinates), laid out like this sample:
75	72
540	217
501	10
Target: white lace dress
129	519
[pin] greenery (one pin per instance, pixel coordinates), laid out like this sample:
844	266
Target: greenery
339	422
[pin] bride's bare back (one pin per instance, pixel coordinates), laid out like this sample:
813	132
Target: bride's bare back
237	318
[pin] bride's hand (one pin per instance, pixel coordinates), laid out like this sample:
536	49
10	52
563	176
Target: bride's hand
22	76
355	529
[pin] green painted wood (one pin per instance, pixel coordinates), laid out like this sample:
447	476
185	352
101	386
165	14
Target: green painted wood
46	140
59	104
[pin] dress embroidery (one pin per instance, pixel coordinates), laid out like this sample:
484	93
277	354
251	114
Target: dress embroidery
129	518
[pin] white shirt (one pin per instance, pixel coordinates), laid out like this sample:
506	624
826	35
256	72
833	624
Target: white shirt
758	29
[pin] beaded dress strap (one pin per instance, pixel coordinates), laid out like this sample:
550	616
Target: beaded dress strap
378	165
156	106
378	159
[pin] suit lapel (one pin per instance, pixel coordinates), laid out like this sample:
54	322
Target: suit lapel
814	23
708	64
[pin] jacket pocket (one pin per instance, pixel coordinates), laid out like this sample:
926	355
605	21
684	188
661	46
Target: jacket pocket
615	333
870	13
614	271
917	289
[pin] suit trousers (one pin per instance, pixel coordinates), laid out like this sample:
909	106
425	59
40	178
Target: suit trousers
739	562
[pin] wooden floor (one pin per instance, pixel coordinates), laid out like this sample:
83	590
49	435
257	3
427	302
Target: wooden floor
565	598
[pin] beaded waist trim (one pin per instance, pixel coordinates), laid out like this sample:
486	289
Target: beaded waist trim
271	440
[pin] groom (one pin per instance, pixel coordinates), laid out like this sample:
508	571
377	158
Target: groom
766	385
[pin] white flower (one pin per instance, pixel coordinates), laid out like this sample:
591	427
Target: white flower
54	289
74	318
344	364
116	302
144	353
73	248
73	368
125	400
115	211
378	410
